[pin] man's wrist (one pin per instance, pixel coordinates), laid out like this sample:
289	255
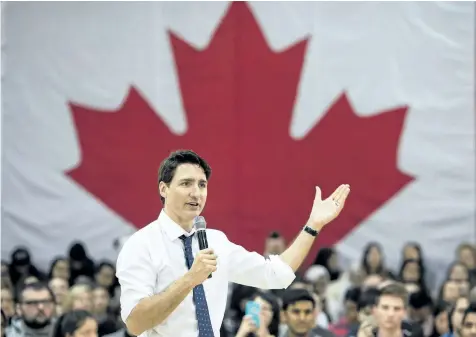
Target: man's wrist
316	226
188	280
309	230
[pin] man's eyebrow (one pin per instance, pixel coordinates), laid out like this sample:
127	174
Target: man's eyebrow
192	179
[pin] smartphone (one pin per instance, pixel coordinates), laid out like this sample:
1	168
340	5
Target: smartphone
253	309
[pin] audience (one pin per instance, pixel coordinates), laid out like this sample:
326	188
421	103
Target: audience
79	297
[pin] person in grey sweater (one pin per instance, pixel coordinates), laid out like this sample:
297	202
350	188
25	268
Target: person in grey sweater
37	311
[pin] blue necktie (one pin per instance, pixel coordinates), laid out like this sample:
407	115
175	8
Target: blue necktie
201	307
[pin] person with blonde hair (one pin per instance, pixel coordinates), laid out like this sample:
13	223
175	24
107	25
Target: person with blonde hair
79	297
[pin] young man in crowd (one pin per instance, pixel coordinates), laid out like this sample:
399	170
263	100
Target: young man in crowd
468	324
36	307
299	315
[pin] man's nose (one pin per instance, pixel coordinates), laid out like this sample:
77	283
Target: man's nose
194	191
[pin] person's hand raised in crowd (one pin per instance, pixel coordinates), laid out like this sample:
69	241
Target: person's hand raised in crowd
247	326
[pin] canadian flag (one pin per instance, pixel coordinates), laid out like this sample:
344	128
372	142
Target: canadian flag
278	97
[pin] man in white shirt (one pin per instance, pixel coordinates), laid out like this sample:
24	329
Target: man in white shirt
165	289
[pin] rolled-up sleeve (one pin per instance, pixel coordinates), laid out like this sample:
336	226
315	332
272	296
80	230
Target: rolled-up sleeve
135	272
254	270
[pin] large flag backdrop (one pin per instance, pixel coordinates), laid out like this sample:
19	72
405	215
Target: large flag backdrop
279	97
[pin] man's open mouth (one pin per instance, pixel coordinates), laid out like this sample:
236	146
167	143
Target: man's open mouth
194	204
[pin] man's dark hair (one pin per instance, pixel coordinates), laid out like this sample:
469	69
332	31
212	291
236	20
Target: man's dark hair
37	286
169	165
69	322
395	289
292	296
420	299
274	235
368	298
352	295
470	310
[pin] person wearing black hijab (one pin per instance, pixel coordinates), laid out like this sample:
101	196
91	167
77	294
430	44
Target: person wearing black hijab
21	266
79	262
327	258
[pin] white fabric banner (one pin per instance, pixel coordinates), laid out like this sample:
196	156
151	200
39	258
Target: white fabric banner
279	97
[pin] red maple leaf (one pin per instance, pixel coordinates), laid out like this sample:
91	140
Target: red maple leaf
239	97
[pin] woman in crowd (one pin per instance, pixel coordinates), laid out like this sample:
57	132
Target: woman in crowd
79	297
466	254
327	257
59	268
21	267
80	263
412	272
373	261
269	318
106	322
76	323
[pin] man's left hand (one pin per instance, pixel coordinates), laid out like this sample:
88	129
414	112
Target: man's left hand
324	211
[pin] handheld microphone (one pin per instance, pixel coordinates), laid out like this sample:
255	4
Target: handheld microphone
201	227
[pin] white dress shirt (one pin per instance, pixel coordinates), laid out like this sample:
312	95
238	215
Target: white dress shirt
153	258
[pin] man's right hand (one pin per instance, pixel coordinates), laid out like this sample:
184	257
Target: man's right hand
204	264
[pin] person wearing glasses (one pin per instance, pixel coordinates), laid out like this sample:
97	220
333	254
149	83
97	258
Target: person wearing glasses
36	310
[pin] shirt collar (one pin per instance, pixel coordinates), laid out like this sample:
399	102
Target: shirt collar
171	228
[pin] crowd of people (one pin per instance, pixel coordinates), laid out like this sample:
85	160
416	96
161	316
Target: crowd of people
78	296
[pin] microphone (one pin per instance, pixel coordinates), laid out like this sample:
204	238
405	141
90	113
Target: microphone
201	227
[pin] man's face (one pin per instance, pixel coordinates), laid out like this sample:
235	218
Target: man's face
300	317
390	312
186	195
468	328
36	307
274	246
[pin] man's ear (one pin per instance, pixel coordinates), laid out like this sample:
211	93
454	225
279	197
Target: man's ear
163	189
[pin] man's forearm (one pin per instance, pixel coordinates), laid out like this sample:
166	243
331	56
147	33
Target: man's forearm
153	310
296	253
